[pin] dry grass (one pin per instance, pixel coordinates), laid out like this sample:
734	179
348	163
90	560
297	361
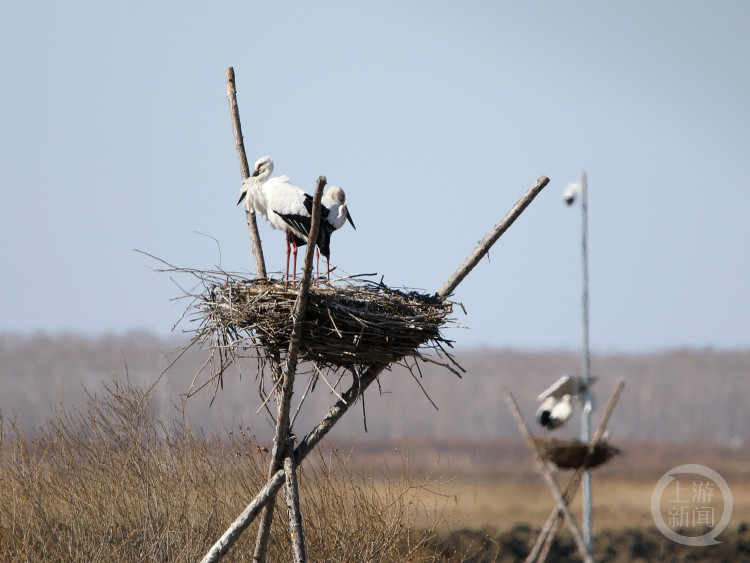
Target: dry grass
113	484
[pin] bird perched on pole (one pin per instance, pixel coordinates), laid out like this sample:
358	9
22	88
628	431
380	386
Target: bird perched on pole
557	401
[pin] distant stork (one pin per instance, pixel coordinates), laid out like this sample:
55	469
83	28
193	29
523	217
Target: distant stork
557	401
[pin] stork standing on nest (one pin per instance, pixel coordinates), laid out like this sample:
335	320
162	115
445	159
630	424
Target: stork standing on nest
279	201
251	195
289	209
557	401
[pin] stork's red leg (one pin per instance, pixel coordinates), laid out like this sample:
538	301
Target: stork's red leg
294	250
286	280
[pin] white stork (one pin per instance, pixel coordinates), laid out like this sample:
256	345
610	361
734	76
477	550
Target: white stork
557	400
251	195
280	202
289	209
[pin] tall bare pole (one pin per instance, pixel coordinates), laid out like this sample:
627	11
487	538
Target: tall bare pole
252	225
585	361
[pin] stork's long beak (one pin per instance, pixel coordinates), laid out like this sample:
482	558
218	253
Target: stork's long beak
242	197
349	218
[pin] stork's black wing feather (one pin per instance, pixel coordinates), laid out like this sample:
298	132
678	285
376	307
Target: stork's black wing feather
302	224
324	238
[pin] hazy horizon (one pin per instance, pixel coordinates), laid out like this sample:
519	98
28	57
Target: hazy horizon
434	117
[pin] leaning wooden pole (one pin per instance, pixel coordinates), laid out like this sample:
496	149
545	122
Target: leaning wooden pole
551	483
306	445
485	245
287	387
358	387
252	225
294	512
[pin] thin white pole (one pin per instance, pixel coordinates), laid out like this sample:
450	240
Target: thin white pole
586	416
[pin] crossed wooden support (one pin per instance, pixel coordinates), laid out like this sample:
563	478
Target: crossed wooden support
544	541
285	457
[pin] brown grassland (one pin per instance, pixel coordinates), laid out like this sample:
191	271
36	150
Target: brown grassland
112	483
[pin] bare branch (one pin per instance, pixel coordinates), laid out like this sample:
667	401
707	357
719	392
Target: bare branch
491	238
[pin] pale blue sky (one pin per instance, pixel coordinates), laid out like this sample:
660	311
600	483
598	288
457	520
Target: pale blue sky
433	116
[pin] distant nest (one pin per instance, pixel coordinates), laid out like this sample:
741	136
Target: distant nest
571	454
351	323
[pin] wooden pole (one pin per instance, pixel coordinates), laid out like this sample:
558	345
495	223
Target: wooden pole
292	505
490	239
284	401
252	225
569	520
308	443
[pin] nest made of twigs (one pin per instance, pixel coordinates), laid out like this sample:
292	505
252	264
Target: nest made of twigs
352	323
571	454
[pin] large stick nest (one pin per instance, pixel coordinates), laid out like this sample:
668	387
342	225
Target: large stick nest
571	454
351	323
